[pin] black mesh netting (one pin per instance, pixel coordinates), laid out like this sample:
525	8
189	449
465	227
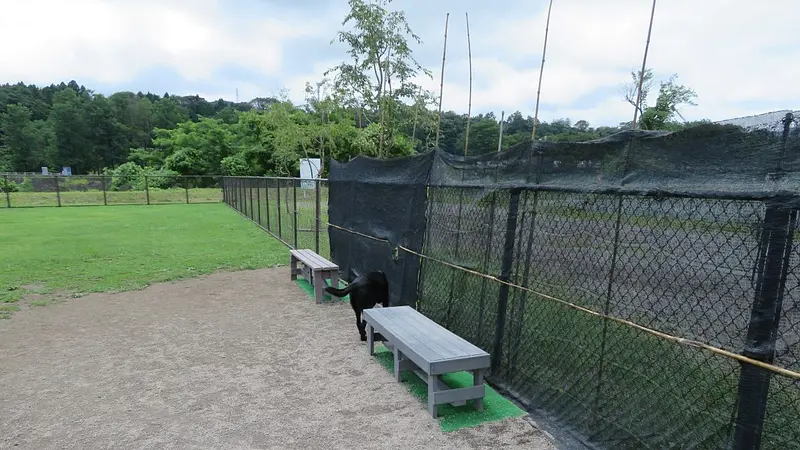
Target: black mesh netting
690	233
384	200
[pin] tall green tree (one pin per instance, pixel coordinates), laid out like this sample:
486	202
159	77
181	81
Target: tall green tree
25	141
671	97
106	134
483	136
70	127
382	63
195	148
167	113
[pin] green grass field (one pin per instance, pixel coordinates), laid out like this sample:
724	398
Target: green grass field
95	197
71	251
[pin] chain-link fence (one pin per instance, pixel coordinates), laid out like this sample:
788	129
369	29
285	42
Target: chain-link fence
293	210
693	268
639	291
21	190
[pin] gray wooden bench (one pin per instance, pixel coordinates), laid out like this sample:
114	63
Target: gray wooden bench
316	270
429	350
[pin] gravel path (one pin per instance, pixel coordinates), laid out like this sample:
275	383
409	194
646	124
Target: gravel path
232	360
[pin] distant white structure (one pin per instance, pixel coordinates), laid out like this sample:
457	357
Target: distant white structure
45	171
767	121
310	168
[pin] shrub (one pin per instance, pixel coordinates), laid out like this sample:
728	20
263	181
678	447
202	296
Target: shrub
235	165
161	179
127	177
8	186
26	185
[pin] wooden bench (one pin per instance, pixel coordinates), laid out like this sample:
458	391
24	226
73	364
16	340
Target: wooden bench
316	270
429	350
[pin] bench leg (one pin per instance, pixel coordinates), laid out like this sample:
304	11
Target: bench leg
477	377
431	394
318	283
334	276
293	267
398	374
371	340
334	280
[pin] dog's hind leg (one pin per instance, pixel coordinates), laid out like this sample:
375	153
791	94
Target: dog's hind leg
361	325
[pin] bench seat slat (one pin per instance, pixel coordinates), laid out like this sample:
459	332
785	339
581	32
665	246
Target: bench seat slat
453	344
441	341
313	260
404	328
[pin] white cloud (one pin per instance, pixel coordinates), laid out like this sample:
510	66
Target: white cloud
113	41
731	52
734	53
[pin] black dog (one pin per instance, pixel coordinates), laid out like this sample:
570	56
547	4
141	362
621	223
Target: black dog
365	291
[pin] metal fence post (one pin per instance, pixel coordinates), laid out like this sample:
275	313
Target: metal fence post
7	188
245	203
186	187
266	194
317	215
487	253
258	199
147	188
244	196
772	266
595	413
294	201
278	185
250	191
520	308
58	190
238	194
505	275
456	252
105	195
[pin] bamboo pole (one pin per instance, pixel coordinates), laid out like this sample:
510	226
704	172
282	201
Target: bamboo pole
469	106
500	140
441	82
644	64
541	72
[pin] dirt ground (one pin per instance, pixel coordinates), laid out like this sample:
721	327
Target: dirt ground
232	360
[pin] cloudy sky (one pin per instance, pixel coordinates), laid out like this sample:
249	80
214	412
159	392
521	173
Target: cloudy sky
740	58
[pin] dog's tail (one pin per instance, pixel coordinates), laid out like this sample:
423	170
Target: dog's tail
339	292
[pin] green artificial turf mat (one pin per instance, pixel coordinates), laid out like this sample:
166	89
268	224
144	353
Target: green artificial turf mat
309	289
495	406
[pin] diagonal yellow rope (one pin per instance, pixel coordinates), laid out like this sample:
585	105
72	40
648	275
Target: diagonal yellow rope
683	341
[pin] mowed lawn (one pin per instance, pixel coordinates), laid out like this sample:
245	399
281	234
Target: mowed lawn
70	251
